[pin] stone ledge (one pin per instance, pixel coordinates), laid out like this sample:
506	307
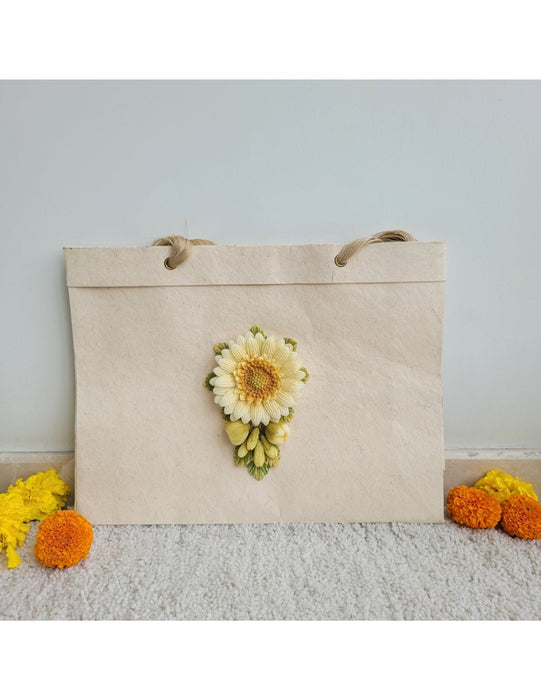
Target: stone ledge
461	466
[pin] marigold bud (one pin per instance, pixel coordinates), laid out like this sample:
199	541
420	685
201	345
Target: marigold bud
472	507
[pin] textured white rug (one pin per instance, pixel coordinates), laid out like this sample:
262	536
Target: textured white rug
283	572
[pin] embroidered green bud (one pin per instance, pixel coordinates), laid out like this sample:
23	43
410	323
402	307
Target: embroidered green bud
289	417
242	450
277	433
207	383
270	450
274	462
259	454
237	431
219	347
252	440
292	342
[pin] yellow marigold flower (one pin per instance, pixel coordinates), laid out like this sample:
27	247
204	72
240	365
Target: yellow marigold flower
12	530
472	507
33	499
63	539
501	486
521	517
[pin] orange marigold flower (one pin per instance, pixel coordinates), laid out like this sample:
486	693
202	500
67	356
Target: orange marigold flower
521	516
63	539
472	507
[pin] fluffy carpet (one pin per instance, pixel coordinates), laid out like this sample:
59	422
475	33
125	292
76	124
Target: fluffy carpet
283	572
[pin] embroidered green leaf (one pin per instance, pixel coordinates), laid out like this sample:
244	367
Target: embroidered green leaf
257	329
245	461
306	375
219	347
293	343
259	472
289	417
207	383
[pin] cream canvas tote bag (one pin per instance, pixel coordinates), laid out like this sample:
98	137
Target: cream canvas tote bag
195	362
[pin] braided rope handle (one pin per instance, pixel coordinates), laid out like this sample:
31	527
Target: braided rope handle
182	247
349	250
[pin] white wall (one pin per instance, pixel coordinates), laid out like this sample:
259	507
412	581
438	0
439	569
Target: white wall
109	163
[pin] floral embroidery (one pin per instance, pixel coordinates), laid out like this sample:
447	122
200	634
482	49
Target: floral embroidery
257	382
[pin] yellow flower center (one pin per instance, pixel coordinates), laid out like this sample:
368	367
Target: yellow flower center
257	379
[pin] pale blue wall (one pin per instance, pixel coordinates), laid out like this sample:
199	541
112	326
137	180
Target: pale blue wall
109	163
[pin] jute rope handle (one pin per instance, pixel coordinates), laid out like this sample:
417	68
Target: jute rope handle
349	250
182	247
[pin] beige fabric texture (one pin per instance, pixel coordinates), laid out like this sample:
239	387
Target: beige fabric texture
366	443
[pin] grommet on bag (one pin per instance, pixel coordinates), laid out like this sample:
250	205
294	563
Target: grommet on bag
350	249
182	247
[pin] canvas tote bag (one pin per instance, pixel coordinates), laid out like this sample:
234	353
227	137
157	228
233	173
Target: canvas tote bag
195	362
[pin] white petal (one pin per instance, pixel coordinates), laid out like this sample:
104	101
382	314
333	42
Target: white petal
252	347
285	399
290	369
224	380
228	398
228	364
281	352
291	362
267	346
258	414
245	414
237	351
259	340
238	410
228	409
220	390
298	374
218	371
273	409
291	385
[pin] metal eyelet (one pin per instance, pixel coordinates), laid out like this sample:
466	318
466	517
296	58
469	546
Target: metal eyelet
339	264
167	265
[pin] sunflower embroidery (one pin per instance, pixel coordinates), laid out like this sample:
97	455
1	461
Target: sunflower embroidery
257	382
